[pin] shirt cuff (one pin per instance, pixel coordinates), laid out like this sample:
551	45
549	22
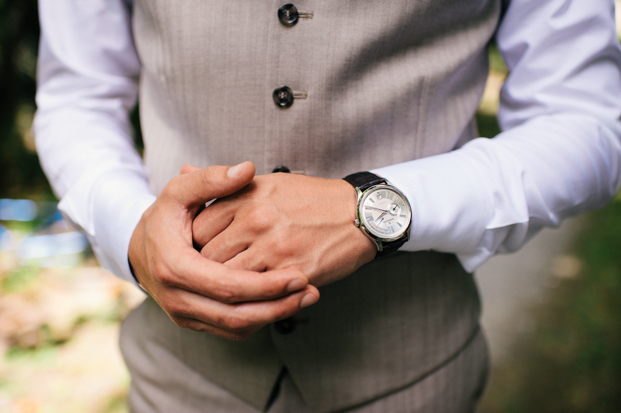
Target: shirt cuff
116	203
451	204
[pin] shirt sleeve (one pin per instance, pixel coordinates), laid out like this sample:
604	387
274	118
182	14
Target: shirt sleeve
559	152
87	82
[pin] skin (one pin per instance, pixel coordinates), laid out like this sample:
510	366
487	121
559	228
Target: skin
195	291
286	221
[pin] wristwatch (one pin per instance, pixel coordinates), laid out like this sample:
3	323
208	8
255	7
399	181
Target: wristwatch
384	213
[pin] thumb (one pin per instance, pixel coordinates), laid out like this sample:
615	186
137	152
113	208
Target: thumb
193	189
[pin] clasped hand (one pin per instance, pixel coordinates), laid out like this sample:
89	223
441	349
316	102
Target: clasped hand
265	245
282	221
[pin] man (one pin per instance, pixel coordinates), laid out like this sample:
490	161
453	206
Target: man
328	89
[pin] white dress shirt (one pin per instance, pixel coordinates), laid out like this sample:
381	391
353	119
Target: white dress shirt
558	154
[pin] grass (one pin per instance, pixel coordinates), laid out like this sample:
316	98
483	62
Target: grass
571	362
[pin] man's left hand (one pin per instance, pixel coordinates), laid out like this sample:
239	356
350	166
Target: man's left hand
287	221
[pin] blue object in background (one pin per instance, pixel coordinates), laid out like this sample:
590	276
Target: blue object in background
43	246
18	210
60	248
56	216
6	239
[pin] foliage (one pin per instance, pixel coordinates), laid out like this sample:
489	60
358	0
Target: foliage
20	172
572	361
487	125
496	62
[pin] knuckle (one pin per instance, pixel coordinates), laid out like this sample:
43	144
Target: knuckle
189	324
263	217
209	175
181	322
163	273
272	290
212	178
207	252
237	324
225	294
280	245
174	308
197	327
251	261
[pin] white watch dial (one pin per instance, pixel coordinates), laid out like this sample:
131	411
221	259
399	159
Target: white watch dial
385	212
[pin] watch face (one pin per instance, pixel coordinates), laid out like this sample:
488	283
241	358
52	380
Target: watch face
385	212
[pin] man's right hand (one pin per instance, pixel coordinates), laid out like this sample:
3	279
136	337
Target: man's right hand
198	293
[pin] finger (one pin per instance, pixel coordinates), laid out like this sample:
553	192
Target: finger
193	272
248	317
227	243
248	260
193	189
197	325
231	224
211	222
187	168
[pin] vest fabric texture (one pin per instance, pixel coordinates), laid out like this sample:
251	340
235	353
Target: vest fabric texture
385	82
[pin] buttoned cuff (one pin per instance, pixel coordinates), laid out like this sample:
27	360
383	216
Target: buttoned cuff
451	204
115	205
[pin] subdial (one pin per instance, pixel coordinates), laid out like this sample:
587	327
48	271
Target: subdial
394	209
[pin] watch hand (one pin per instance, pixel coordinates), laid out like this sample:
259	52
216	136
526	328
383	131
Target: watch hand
377	209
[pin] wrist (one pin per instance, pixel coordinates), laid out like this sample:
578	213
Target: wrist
136	250
360	245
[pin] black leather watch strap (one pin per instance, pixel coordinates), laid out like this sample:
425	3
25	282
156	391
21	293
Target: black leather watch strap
364	180
389	248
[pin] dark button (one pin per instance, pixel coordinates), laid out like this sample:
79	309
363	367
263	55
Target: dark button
283	97
285	326
288	14
281	168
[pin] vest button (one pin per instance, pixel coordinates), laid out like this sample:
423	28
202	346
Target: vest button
288	15
283	97
286	326
281	168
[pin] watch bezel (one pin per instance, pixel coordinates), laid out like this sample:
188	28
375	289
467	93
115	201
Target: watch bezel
369	230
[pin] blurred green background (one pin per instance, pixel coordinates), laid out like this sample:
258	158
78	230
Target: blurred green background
59	324
20	173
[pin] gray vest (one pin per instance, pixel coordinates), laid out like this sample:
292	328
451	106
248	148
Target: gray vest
385	82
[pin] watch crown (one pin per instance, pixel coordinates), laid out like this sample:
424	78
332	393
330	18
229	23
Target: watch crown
357	222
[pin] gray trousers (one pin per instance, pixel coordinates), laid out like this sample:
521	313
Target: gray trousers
172	386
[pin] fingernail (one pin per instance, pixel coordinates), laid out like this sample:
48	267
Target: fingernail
295	285
236	170
308	300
